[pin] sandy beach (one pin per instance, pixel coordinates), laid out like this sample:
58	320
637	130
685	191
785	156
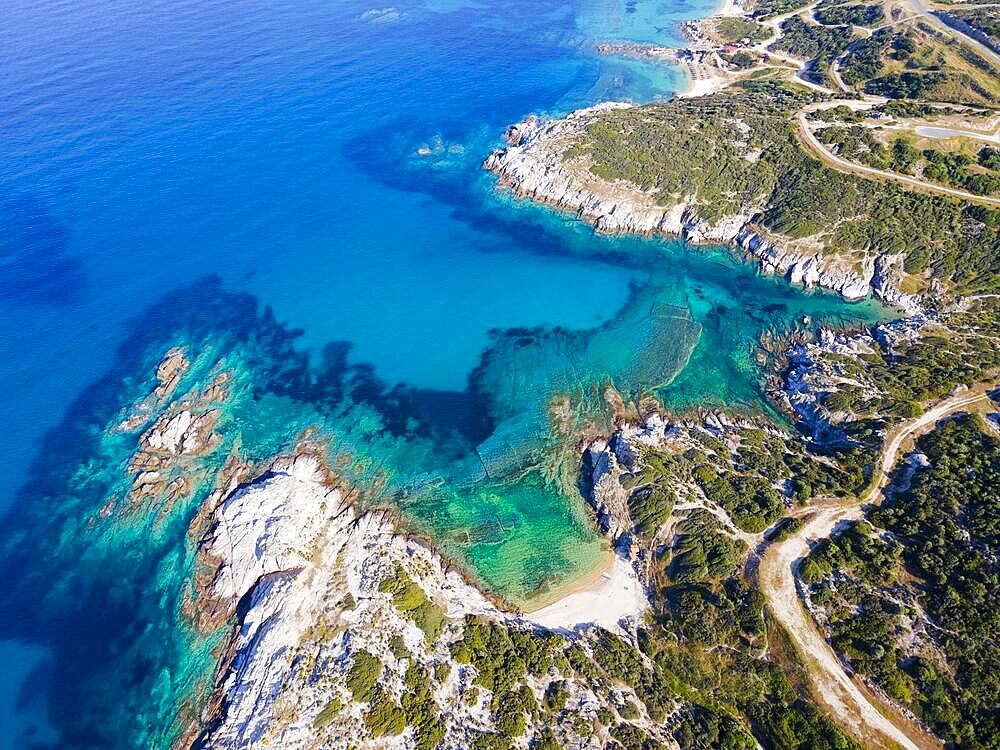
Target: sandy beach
700	80
701	86
603	600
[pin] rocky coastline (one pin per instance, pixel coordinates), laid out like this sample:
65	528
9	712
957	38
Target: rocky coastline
815	369
301	570
534	166
311	587
309	583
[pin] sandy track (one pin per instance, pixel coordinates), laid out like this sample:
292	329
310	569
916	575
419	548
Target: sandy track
842	165
848	703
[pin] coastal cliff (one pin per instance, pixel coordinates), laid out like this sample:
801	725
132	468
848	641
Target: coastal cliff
311	570
541	162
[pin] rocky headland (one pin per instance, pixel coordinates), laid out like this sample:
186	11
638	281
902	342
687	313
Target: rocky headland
347	630
539	163
344	630
310	569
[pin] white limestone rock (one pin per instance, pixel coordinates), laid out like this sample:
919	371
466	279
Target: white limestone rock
293	543
608	497
273	524
533	166
811	374
182	433
168	432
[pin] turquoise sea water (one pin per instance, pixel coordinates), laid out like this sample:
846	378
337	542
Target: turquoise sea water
243	177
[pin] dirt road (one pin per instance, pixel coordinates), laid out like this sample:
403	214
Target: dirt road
842	165
849	704
981	48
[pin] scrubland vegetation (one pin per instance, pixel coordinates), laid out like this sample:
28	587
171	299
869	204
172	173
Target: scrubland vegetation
979	174
937	575
699	147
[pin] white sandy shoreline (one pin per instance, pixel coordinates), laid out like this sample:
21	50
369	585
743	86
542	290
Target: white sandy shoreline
615	594
710	84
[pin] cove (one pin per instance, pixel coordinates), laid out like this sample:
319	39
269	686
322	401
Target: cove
487	473
292	191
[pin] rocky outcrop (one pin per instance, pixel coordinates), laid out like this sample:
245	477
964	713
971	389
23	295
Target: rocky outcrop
161	461
312	584
810	377
607	496
177	435
169	372
274	524
608	464
878	274
535	165
817	369
181	433
309	567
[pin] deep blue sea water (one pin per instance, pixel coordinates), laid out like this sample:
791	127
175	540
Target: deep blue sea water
274	145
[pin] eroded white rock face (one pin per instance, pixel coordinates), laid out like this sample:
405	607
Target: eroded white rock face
312	568
534	167
182	433
277	523
812	374
609	498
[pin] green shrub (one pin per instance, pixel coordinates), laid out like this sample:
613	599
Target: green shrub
441	671
632	737
411	600
329	713
508	714
398	647
384	717
556	696
628	710
545	741
363	675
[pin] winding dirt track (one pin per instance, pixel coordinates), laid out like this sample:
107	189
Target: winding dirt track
842	165
874	725
805	134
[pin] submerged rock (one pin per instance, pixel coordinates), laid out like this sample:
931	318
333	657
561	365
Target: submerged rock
168	375
169	372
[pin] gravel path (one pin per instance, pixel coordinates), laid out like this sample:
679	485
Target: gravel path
841	695
809	139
